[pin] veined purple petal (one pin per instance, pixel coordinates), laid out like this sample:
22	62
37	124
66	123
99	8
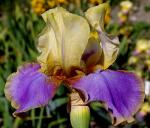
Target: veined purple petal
123	92
28	88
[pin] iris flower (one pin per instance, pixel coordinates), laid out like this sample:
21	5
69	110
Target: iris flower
77	51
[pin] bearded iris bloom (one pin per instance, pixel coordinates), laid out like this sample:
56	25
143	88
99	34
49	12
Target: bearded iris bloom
77	51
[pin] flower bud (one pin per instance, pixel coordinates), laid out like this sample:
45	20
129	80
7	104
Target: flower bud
80	116
80	113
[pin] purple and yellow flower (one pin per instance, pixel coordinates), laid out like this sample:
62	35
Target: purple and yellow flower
142	45
140	59
125	10
71	54
126	6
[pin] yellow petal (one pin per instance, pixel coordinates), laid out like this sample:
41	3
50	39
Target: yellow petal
96	15
110	44
50	55
110	48
64	39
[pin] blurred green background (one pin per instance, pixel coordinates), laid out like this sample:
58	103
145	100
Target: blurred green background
20	24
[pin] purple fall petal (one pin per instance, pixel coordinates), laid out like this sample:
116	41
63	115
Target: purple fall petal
123	92
28	88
